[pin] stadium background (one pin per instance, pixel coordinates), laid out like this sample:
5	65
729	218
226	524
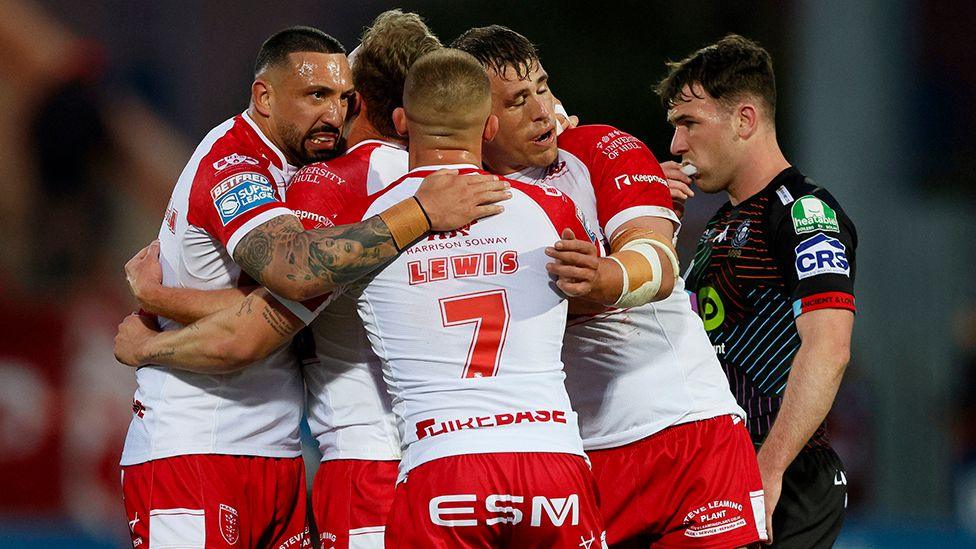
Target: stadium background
104	101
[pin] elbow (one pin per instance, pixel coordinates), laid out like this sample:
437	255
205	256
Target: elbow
296	290
667	287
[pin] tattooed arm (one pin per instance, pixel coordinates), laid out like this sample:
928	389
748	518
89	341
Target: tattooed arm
299	264
223	342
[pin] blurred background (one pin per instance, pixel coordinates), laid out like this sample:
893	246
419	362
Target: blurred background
105	100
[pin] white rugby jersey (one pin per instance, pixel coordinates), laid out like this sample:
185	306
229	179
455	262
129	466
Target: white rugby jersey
469	327
630	372
232	183
349	410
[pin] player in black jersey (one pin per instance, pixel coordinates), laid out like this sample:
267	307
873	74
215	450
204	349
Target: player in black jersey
773	276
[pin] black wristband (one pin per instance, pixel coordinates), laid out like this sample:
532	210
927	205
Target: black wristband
427	217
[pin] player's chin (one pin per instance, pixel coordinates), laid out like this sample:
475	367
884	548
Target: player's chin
320	154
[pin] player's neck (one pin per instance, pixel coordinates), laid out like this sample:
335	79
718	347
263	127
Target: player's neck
363	130
421	156
756	171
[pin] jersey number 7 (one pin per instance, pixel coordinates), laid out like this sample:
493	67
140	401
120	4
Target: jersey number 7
488	312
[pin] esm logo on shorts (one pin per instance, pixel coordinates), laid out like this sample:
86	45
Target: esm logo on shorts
451	510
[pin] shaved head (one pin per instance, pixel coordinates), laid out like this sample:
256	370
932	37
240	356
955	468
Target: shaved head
447	93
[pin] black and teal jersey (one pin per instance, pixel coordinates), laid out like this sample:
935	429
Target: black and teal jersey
786	250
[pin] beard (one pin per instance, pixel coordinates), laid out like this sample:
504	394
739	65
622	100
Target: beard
298	143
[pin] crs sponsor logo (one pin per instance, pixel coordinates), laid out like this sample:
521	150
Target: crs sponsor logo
627	180
456	511
821	254
169	219
240	193
234	160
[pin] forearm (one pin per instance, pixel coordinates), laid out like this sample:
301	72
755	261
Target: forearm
813	383
299	264
187	305
225	341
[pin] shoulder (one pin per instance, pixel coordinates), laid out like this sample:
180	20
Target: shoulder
558	207
798	195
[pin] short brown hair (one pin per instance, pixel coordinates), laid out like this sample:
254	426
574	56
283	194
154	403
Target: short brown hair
447	88
729	69
497	47
389	47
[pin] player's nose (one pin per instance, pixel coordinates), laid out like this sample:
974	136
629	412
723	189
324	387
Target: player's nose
540	110
679	143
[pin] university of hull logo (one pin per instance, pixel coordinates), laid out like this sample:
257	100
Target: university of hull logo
240	193
811	214
229	527
821	254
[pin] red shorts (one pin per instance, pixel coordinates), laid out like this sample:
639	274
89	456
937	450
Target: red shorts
209	500
351	499
692	485
497	500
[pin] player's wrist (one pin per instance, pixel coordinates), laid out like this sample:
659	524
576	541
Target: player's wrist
407	221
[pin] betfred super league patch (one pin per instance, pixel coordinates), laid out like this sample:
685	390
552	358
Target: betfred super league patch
241	193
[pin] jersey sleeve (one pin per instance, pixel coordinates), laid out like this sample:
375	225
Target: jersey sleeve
627	179
319	200
813	242
229	202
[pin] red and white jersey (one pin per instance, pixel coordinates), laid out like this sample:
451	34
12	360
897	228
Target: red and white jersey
232	183
469	326
349	409
612	359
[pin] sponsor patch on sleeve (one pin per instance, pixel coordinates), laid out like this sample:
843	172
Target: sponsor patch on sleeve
821	254
811	214
824	300
241	193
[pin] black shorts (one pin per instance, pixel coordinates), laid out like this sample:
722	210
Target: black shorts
810	511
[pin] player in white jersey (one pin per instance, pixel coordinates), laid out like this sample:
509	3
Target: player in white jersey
469	328
206	457
643	377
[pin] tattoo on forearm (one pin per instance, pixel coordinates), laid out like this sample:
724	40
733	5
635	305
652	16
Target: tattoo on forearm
325	258
245	306
277	322
162	353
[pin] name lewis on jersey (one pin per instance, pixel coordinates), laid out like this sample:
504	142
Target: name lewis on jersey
240	193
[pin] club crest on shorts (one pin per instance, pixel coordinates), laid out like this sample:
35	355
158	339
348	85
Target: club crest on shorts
230	528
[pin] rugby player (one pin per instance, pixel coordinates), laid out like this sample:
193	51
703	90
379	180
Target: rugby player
774	278
206	458
469	328
674	465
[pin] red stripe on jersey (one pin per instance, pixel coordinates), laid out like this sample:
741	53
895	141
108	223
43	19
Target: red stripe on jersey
824	300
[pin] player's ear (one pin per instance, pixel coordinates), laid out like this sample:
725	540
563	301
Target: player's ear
400	120
491	128
355	105
747	120
261	97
